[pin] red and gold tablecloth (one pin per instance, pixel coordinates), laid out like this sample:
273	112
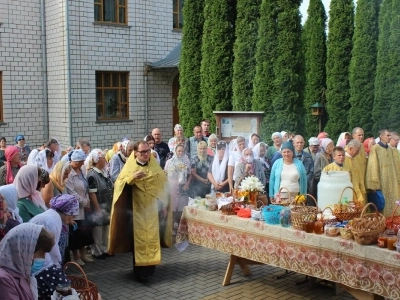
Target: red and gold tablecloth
368	268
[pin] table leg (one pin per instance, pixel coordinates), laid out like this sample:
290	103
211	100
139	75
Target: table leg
362	295
229	270
243	266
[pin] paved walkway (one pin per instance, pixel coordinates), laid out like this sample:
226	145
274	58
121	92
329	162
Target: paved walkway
197	273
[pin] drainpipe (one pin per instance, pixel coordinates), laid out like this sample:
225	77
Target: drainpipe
68	55
147	69
44	68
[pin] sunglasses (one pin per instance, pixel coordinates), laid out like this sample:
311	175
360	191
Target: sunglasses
21	140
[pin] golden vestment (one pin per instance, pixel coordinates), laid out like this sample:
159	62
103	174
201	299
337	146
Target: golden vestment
334	167
139	197
383	174
357	179
360	162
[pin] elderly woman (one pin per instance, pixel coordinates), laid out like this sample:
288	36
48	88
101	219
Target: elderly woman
64	207
6	221
368	143
259	153
287	172
100	194
323	158
3	146
218	174
179	178
236	148
212	144
277	139
178	132
285	136
11	167
9	193
248	166
22	254
344	139
30	201
22	148
119	159
200	185
56	185
77	186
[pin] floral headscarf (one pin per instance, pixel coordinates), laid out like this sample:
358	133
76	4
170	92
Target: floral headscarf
17	249
65	203
9	153
57	174
26	183
367	143
9	193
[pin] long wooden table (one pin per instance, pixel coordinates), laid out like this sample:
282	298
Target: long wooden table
368	272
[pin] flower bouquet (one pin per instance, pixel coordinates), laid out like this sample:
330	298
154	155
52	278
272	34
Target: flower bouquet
250	187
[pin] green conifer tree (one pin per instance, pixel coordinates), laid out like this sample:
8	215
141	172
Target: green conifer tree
217	58
383	80
339	47
314	45
244	65
363	65
189	66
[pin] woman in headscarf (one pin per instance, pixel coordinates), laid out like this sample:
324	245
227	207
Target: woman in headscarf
322	159
22	253
235	154
200	185
287	172
64	207
6	222
253	140
100	194
179	177
178	132
56	186
248	166
22	148
30	201
277	139
11	167
285	136
368	143
77	186
344	139
3	146
9	193
212	144
119	159
259	153
45	160
218	174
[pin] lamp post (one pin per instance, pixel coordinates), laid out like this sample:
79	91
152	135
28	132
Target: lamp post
317	109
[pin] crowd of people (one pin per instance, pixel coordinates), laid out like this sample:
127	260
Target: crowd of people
93	203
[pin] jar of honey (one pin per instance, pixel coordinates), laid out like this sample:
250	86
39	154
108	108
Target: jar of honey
309	226
391	242
319	227
382	241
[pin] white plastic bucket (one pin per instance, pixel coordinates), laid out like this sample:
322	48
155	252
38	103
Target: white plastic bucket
331	186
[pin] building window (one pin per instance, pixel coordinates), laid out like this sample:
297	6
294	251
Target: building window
177	14
110	11
1	97
112	96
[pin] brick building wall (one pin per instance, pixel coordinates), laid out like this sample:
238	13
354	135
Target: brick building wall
148	37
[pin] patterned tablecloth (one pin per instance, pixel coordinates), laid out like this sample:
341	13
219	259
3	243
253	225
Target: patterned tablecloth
368	268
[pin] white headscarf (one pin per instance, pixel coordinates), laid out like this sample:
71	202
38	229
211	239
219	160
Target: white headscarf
26	182
256	154
341	138
51	221
233	145
9	193
17	249
93	158
41	160
57	154
218	168
250	144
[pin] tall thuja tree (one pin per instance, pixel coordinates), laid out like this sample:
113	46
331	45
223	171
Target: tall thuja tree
363	64
383	80
340	44
189	66
244	65
314	49
394	71
217	58
287	100
265	58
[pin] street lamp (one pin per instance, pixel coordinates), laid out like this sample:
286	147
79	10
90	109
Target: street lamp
317	109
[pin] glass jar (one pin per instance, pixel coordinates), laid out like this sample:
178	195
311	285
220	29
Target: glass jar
319	227
391	242
309	226
284	217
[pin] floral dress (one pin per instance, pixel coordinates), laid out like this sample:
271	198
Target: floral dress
198	188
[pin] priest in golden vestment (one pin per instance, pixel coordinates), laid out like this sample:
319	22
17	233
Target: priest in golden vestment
382	172
356	171
134	224
360	161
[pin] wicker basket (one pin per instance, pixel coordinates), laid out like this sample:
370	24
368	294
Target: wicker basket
345	233
346	212
86	289
301	214
229	209
367	227
284	201
393	222
328	221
